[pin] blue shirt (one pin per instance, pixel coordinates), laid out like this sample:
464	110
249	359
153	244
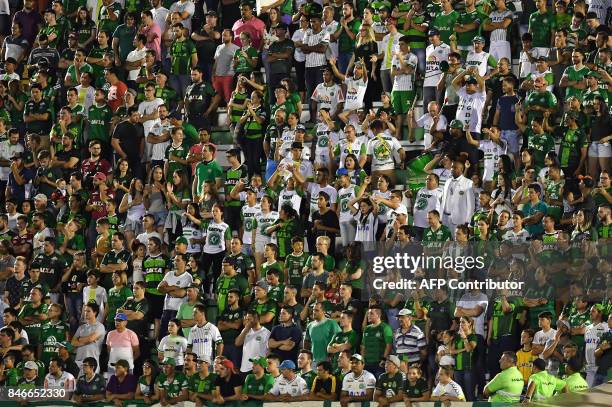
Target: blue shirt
280	333
506	109
529	210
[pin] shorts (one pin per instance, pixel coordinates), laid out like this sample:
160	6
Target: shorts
512	138
260	244
402	100
160	217
597	149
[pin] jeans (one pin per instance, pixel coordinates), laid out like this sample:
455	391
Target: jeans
385	79
74	305
420	53
465	379
313	76
343	61
430	94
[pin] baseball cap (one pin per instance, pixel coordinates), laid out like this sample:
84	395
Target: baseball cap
282	26
470	80
357	356
261	361
100	176
64	344
17	156
212	13
229	260
432	32
204	358
404	312
120	316
300	127
133	92
170	361
401	210
262	284
542	58
41	197
456	124
393	359
297	144
182	240
478	38
341	172
287	364
30	364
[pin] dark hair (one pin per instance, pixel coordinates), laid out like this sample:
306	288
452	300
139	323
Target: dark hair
91	361
325	365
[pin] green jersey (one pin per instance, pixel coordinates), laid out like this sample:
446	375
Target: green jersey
389	385
576	319
243	65
445	23
294	263
230	315
154	268
534	292
252	128
50	334
576	75
207	171
417	38
104	21
341	338
375	340
464	39
111	258
541	144
464	360
264	308
203	385
541	27
272	266
172	387
544	99
116	298
33	329
417	389
258	387
125	35
181	53
545	385
345	43
308	377
506	386
232	176
434	240
99	119
502	323
98	70
572	141
225	284
576	383
72	71
238	107
180	152
319	333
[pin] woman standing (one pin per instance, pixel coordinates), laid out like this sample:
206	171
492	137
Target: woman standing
154	197
178	193
600	150
218	237
133	204
298	55
253	121
366	50
85	28
463	348
117	296
263	219
173	345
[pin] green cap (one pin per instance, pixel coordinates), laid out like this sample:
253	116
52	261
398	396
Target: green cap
592	74
456	124
170	361
182	240
478	38
65	344
261	361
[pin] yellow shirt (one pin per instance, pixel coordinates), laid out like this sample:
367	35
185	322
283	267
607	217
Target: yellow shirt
524	363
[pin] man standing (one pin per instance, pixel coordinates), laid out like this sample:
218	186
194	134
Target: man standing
436	52
377	341
204	335
314	45
427	199
319	333
253	339
183	56
592	339
534	211
250	24
128	141
472	99
201	100
409	340
457	198
498	24
89	337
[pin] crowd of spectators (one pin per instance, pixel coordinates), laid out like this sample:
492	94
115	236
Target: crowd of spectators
193	192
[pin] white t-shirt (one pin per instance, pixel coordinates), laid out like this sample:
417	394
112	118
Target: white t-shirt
355	92
174	348
248	216
592	336
491	151
255	345
426	200
182	7
328	97
451	389
404	81
344	197
480	60
135	55
295	387
383	148
149	107
66	381
426	121
541	337
358	386
204	339
183	281
470	301
470	108
433	57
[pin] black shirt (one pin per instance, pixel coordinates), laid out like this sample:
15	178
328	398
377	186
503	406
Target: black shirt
130	136
227	387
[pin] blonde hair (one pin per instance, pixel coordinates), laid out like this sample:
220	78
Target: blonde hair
369	35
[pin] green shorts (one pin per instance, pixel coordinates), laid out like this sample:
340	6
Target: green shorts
402	100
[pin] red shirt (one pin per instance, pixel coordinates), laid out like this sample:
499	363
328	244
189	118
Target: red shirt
115	95
89	168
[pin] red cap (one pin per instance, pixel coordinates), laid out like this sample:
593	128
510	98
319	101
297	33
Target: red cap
228	364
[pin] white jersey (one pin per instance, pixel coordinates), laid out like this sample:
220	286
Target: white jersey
216	234
325	138
255	345
290	197
315	59
295	387
305	167
344	197
355	92
451	389
491	151
158	150
516	237
388	46
174	347
345	147
262	221
443	175
433	56
203	339
541	337
328	97
426	121
500	34
383	148
426	200
470	108
192	231
314	189
592	336
601	8
247	213
404	81
481	60
148	107
358	386
182	281
525	66
65	381
331	28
